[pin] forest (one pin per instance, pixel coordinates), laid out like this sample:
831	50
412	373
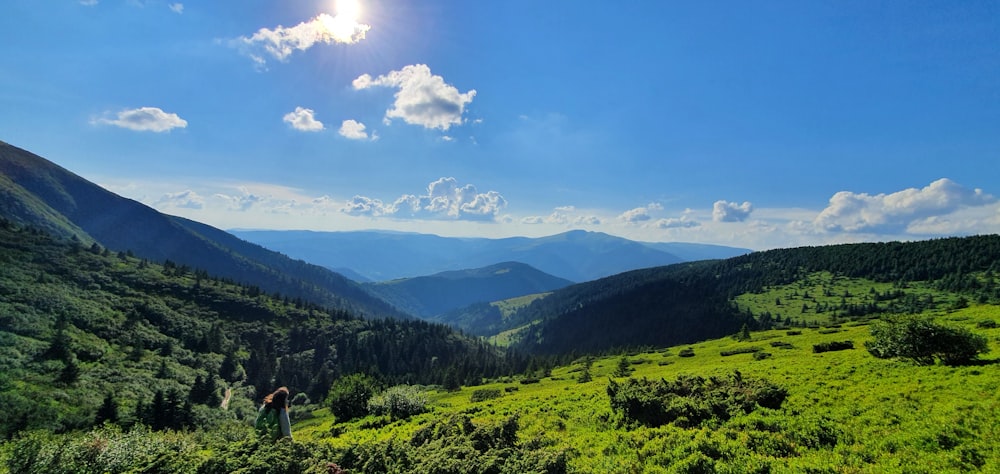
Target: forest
82	326
855	358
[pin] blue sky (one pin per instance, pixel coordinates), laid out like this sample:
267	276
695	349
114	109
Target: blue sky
755	124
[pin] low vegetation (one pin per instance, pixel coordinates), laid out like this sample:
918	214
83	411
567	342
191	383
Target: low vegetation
114	364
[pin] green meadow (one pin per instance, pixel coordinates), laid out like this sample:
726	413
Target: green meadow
795	390
846	411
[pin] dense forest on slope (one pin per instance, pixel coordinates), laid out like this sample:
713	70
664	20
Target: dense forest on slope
688	302
41	194
81	326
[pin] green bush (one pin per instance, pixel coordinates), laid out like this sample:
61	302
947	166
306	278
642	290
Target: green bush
686	352
833	346
484	394
455	444
924	341
761	355
743	350
692	400
399	402
348	396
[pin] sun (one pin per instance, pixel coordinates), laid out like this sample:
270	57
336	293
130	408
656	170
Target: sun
349	9
344	27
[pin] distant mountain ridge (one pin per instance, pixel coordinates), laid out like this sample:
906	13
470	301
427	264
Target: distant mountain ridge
37	192
575	255
436	294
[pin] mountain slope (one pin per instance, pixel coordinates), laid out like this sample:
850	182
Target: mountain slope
688	302
78	322
379	256
43	194
442	292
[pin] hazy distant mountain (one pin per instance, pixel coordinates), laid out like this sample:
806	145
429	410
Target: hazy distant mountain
40	193
690	252
432	295
576	255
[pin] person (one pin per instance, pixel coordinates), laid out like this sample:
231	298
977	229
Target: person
272	417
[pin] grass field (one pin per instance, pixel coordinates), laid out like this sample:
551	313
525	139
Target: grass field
846	410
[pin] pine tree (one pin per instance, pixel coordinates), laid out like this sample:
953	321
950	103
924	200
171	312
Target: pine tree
624	368
108	411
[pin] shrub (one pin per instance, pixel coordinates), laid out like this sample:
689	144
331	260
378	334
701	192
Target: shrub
794	333
761	355
986	324
484	394
782	345
833	346
923	341
686	352
456	444
348	396
742	350
400	401
691	400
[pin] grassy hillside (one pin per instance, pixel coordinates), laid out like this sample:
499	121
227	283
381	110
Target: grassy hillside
87	334
496	320
845	411
80	323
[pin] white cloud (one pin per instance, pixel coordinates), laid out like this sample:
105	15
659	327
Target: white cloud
146	119
187	199
281	42
364	206
724	211
303	119
355	130
243	202
923	208
640	214
683	222
177	8
563	215
445	199
422	98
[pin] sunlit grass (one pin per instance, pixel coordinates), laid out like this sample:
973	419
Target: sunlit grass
882	415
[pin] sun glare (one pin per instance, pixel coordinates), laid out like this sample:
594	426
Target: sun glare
349	9
344	27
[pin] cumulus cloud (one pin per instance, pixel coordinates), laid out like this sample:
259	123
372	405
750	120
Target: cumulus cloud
724	211
563	215
355	130
187	199
920	208
640	214
145	119
445	199
177	8
304	120
281	42
421	97
683	222
242	202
